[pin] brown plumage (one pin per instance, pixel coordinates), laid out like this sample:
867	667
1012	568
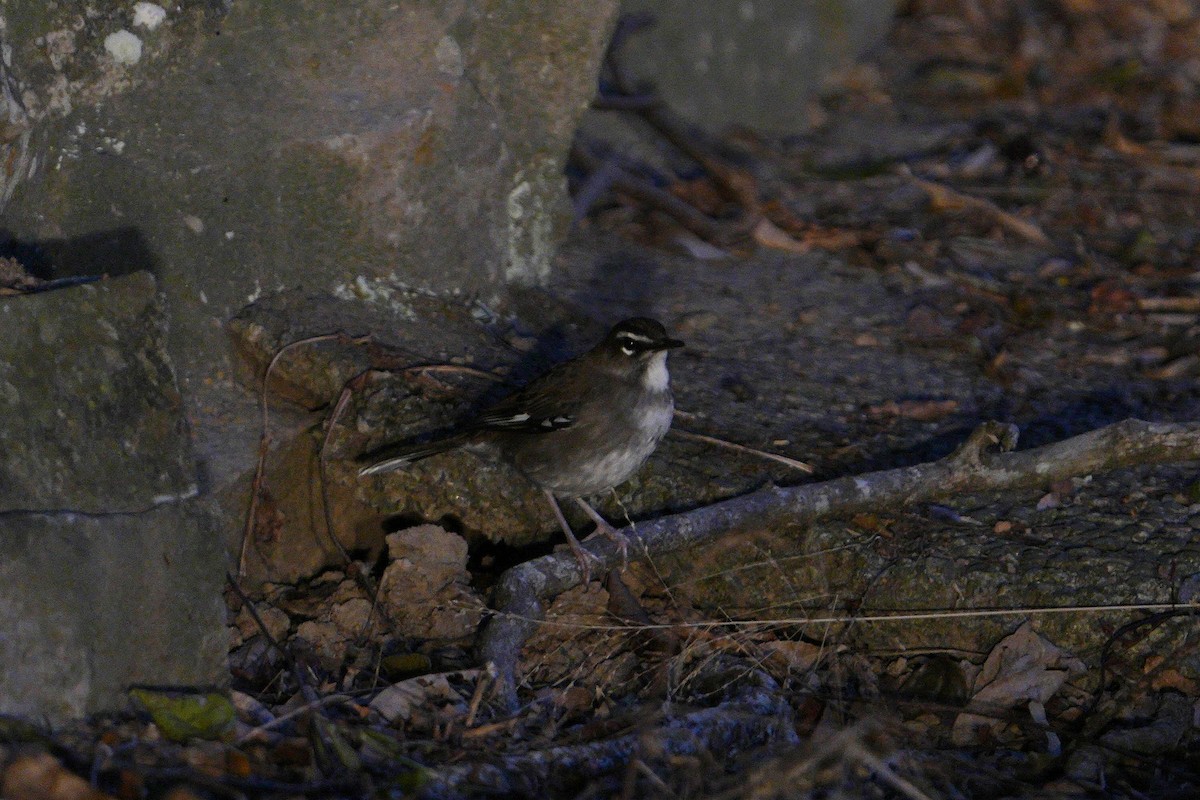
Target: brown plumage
581	428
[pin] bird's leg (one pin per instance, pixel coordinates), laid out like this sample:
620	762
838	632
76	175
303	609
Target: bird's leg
581	555
609	532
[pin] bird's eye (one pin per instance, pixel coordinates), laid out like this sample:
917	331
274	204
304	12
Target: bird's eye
627	350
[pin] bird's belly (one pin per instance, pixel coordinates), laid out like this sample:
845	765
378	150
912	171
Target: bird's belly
588	467
598	474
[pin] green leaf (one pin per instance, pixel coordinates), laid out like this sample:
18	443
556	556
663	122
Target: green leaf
187	716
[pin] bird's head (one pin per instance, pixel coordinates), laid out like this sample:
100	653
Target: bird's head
640	344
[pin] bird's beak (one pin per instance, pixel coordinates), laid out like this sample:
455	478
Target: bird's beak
668	344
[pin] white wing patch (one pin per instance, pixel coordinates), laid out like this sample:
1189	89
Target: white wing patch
511	420
527	422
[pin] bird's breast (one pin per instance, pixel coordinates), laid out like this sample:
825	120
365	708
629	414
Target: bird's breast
591	458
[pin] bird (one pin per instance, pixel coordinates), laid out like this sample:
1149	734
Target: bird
580	429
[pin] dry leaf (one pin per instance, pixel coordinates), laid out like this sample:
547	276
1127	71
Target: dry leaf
943	198
418	698
1111	297
1023	668
768	234
1048	501
697	248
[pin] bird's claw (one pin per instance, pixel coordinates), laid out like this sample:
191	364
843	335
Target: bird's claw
584	558
614	536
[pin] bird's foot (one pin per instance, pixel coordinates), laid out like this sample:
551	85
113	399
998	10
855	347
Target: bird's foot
606	530
584	558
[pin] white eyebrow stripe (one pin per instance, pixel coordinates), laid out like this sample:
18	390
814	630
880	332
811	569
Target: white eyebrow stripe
637	337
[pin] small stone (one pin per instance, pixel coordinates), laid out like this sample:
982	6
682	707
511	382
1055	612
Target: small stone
865	340
124	47
148	15
276	621
449	57
695	321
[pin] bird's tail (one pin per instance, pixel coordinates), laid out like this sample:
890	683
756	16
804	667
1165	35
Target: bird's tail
396	457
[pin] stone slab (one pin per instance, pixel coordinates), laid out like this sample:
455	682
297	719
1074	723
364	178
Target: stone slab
92	420
754	63
94	603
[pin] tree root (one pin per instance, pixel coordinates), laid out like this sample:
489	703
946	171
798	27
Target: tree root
973	467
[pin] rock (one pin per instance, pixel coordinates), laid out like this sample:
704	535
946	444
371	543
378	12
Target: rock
426	589
357	148
483	499
93	603
1074	555
327	640
488	500
418	702
276	622
290	539
574	647
110	574
417	329
754	64
93	420
342	617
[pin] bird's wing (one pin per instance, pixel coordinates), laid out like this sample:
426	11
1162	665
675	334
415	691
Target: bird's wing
532	409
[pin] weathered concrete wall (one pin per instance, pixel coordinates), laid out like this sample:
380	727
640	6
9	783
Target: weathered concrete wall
110	572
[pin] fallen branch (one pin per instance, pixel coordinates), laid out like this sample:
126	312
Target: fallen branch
943	197
972	468
758	716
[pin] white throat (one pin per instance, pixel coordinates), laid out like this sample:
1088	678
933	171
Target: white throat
656	377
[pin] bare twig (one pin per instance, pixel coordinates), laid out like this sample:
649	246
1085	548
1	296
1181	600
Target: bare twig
1186	305
523	589
283	719
856	752
254	615
734	184
756	716
741	448
948	198
362	578
659	199
486	676
454	369
264	441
